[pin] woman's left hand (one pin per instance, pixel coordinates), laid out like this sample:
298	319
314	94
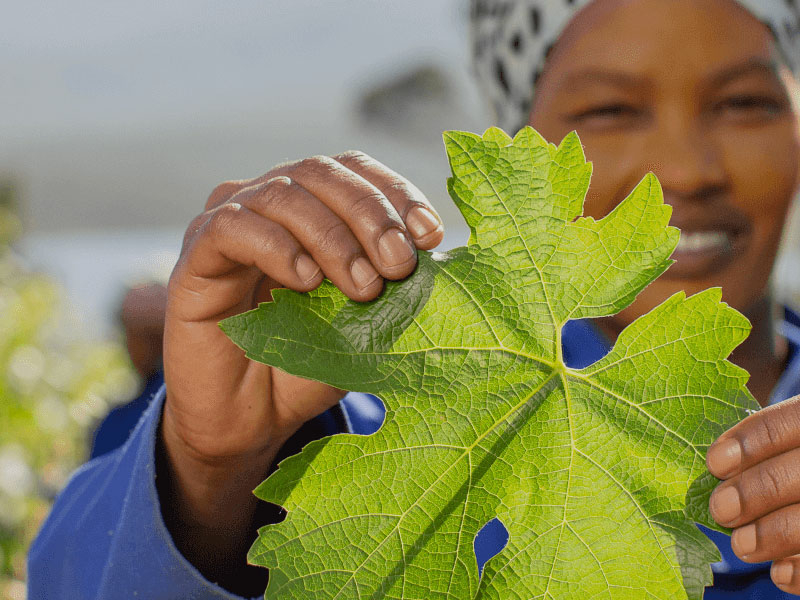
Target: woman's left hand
759	498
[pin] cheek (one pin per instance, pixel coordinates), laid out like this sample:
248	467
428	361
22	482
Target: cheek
763	172
617	169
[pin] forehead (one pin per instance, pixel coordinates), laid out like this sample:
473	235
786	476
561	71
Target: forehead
676	38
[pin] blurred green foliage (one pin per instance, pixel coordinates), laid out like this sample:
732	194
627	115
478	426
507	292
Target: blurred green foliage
55	385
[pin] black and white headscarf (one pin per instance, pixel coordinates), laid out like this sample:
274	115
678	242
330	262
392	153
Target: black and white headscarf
511	40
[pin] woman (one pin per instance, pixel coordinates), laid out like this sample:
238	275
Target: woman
694	90
702	102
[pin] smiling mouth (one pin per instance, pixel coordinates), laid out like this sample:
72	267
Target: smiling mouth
702	253
703	241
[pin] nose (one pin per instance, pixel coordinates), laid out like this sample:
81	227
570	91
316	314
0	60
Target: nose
686	158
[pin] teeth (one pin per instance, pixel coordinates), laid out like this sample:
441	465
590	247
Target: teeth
702	241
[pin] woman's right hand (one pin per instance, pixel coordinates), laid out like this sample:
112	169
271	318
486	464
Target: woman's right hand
348	218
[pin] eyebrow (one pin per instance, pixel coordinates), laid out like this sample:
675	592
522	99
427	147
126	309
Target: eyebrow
591	76
751	66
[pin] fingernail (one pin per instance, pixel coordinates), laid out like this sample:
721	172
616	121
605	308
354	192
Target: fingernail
363	272
743	540
782	572
726	505
420	222
725	458
394	248
306	268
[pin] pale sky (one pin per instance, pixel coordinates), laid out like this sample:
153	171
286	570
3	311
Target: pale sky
126	114
108	65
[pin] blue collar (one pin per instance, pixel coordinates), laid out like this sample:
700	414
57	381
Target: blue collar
789	383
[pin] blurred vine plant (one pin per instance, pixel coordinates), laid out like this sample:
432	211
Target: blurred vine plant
54	385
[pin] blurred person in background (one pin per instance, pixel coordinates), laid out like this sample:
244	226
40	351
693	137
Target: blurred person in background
141	316
697	91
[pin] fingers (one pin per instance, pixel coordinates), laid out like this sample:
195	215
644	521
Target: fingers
364	209
786	574
762	435
349	217
225	190
232	236
324	235
772	537
421	219
760	499
758	491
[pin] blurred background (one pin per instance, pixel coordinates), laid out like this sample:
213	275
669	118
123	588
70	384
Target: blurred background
116	121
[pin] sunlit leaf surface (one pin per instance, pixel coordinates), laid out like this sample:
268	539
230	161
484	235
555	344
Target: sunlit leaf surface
598	474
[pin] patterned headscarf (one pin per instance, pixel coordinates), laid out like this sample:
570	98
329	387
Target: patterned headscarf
512	38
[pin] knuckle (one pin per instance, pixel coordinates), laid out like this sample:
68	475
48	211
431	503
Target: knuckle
222	192
372	205
791	415
764	433
356	157
333	238
770	483
222	223
276	184
195	227
274	244
273	194
400	187
783	527
316	166
196	223
282	167
773	430
177	286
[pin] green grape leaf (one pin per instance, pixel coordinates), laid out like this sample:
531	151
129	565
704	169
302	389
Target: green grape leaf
598	474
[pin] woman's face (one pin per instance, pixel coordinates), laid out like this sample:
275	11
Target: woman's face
693	91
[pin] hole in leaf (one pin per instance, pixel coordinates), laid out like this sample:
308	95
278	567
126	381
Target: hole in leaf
489	541
583	343
364	412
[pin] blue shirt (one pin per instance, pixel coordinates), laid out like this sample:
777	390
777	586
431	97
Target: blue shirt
118	424
105	536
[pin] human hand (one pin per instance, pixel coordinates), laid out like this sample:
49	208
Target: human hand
759	462
348	218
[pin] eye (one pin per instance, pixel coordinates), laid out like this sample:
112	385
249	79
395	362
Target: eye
615	113
750	106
